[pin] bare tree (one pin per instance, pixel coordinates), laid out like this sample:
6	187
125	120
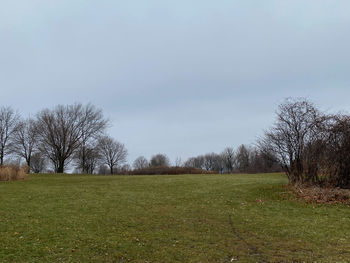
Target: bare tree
125	169
243	158
219	164
195	162
263	161
64	129
298	126
37	163
159	160
93	124
87	158
229	159
25	140
103	169
178	162
209	162
113	153
8	125
140	163
334	151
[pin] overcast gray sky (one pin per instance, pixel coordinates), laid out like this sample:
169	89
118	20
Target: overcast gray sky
181	77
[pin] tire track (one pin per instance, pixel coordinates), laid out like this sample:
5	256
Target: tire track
250	246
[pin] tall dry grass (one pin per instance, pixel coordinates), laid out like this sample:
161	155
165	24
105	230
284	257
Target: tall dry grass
13	172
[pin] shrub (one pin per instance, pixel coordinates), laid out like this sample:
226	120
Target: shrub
13	172
313	147
165	170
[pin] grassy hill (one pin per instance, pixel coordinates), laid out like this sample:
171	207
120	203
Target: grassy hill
186	218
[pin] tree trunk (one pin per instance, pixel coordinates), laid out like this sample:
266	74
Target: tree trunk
2	158
60	168
84	170
28	164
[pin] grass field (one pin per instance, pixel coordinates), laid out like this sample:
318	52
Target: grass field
187	218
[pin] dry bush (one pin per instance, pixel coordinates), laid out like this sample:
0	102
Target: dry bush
13	172
313	146
315	194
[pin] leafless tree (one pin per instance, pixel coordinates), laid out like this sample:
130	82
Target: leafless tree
25	140
64	129
87	158
229	159
209	161
37	163
93	124
103	169
125	169
219	164
140	163
8	125
335	151
195	162
113	153
299	124
159	160
243	158
178	162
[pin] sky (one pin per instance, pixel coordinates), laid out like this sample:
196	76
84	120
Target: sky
177	77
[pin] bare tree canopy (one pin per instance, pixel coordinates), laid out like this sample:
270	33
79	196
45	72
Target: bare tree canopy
64	129
113	153
159	160
243	158
8	125
229	159
140	163
37	163
25	140
297	125
87	158
210	161
312	146
195	162
93	125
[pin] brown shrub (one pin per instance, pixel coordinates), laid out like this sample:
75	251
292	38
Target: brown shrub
164	170
13	172
315	194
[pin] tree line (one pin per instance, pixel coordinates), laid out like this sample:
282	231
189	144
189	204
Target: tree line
246	159
76	135
59	136
311	146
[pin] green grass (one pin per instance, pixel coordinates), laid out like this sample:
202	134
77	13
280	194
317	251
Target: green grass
189	218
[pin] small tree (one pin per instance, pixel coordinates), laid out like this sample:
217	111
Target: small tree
37	163
8	125
229	159
243	158
87	157
210	161
25	140
140	163
195	162
113	153
159	160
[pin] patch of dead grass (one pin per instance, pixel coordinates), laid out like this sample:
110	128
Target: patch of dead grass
316	194
13	172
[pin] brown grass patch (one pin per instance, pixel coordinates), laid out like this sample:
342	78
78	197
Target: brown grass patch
164	170
316	194
13	172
